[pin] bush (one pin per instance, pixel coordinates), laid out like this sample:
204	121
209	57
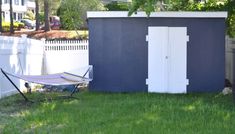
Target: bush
19	25
16	25
117	6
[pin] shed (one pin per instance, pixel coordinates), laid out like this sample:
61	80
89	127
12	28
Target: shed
167	52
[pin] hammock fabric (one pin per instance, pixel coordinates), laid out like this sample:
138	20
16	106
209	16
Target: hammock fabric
53	79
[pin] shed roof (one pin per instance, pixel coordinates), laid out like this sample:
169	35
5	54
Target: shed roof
169	14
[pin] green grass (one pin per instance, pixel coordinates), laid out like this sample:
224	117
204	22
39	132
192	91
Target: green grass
134	113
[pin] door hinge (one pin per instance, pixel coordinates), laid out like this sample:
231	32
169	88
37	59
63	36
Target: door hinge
187	81
187	38
147	81
147	38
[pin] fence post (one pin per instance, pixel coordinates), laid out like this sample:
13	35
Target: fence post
43	40
24	39
24	42
230	54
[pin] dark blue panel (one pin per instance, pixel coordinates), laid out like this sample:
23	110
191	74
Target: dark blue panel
117	64
118	51
206	56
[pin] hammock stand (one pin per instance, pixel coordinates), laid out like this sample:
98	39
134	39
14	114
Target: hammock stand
64	78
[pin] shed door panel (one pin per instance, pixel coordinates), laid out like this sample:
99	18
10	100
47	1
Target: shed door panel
157	65
177	60
167	53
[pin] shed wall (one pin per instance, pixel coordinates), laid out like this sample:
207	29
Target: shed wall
118	52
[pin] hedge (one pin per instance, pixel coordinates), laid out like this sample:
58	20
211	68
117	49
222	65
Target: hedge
6	26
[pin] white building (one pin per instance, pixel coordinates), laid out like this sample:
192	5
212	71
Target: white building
19	8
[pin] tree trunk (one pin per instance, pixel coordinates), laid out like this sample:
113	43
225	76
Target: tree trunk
11	19
36	15
46	15
1	16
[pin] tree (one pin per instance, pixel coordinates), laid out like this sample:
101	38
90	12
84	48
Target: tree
146	5
231	17
53	6
1	16
11	19
46	15
117	6
73	12
190	5
37	15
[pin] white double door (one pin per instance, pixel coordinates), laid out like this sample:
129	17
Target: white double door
167	59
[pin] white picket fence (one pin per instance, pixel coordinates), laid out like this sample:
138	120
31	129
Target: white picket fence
36	57
230	58
61	56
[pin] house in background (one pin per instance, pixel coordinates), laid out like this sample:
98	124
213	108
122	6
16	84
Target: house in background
20	7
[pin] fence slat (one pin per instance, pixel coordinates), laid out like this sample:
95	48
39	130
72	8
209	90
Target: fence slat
229	56
73	45
65	55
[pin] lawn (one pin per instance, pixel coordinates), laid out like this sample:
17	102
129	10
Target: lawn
126	113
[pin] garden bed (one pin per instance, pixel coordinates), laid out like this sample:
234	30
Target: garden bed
53	34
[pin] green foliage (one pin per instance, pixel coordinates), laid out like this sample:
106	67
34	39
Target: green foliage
19	24
189	5
72	13
211	5
104	113
178	5
29	15
41	17
53	6
117	6
146	5
16	25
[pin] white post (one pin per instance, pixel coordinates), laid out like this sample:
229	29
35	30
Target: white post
24	42
44	56
22	56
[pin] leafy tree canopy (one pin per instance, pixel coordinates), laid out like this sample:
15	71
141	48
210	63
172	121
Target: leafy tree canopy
73	12
53	6
188	5
117	6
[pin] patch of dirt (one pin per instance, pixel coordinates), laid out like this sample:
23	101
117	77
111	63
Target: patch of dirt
53	34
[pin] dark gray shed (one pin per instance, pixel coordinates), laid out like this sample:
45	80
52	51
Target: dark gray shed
168	52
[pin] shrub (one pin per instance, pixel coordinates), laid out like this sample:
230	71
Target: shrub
117	6
16	25
20	25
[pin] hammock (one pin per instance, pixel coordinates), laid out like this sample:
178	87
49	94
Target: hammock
53	79
64	78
